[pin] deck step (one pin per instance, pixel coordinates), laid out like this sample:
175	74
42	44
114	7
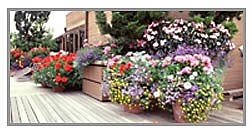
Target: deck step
233	94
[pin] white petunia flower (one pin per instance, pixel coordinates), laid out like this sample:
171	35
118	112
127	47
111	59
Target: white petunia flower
218	43
156	94
162	42
155	44
187	85
191	77
170	77
195	74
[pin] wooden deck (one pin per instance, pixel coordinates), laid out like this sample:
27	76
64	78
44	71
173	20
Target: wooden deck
31	104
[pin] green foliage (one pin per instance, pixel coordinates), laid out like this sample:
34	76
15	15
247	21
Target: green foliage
128	26
31	31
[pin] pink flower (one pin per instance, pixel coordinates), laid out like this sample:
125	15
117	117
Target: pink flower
194	63
153	63
110	62
129	53
180	59
85	45
141	42
164	63
206	69
113	45
97	45
168	59
187	70
106	49
206	59
189	57
198	56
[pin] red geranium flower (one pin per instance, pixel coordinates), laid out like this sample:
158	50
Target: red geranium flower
121	68
57	65
16	55
58	79
45	65
39	67
114	65
64	79
68	67
35	59
129	64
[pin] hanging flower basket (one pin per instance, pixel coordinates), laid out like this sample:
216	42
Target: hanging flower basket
58	89
177	112
133	109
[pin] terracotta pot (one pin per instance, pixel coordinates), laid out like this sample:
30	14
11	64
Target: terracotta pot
177	112
58	89
44	85
12	72
134	109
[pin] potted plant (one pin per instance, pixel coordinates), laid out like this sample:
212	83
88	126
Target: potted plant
129	83
18	60
57	71
189	84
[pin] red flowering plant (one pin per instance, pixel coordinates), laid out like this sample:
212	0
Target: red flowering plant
18	59
57	71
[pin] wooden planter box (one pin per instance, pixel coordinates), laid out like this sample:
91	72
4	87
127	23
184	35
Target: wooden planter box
92	79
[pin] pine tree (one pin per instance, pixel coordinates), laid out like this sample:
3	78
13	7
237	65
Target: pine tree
31	30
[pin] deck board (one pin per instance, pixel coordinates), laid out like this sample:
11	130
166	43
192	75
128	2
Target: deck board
29	111
45	106
15	112
22	112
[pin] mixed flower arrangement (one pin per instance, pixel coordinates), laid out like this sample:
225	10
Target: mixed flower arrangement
189	80
57	70
163	38
138	80
128	80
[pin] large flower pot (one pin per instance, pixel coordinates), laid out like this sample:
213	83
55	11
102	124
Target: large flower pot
133	109
58	89
92	81
44	85
177	112
12	72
